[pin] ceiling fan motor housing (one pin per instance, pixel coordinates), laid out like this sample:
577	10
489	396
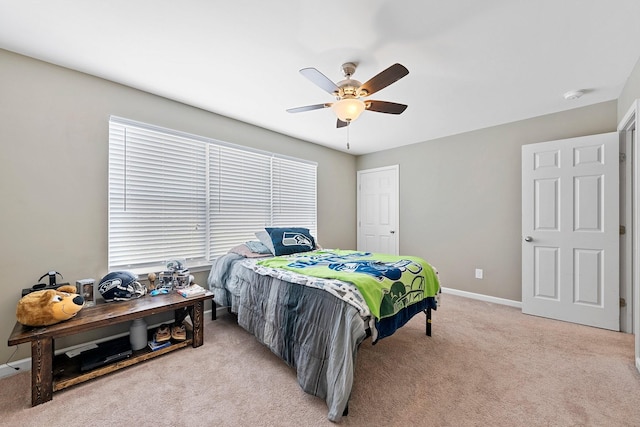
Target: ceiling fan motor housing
349	88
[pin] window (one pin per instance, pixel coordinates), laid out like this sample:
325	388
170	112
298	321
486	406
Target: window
176	195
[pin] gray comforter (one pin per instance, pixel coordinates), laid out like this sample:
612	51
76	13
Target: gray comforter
310	329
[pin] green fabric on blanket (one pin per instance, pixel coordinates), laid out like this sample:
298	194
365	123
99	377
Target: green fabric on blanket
388	283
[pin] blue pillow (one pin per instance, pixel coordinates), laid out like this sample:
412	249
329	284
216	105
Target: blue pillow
288	241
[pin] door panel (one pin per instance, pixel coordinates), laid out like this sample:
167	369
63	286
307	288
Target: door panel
588	277
570	217
546	278
547	204
588	208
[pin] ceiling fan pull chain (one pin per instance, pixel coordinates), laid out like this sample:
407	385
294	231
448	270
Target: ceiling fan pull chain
348	148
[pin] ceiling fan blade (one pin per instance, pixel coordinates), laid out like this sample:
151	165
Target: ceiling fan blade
341	124
384	79
320	80
385	107
307	108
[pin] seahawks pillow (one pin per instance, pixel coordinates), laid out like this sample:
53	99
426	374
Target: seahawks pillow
288	241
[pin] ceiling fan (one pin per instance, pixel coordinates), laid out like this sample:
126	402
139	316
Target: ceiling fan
349	92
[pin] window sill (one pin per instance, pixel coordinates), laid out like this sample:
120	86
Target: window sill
142	272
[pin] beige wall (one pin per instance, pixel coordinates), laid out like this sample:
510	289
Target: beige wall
53	179
460	196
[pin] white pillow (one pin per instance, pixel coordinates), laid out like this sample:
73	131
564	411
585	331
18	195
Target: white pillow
265	238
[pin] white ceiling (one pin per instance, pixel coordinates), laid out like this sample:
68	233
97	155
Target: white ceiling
472	64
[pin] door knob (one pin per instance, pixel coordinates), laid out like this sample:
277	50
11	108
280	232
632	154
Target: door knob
528	239
392	231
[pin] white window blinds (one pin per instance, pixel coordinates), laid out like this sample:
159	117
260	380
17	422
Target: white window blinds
240	197
294	194
157	197
176	195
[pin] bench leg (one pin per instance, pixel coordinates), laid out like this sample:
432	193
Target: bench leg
198	323
41	370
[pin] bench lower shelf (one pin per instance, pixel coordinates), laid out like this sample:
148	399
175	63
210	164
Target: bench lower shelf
67	373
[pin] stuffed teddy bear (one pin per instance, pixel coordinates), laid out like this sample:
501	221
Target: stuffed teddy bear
47	307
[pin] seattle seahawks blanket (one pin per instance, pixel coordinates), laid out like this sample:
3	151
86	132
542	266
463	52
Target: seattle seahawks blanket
388	283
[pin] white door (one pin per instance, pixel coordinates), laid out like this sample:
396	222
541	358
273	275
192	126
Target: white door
378	210
570	227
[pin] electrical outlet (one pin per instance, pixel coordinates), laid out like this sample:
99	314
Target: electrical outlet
479	273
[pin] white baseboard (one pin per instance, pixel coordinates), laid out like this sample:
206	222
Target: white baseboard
22	365
638	363
482	297
25	364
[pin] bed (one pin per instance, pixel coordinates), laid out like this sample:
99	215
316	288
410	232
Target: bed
312	309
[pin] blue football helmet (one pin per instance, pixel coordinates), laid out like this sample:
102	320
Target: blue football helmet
120	286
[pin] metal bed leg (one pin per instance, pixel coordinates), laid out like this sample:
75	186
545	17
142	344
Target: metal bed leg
428	313
346	410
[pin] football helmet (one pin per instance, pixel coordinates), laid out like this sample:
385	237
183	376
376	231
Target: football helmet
121	286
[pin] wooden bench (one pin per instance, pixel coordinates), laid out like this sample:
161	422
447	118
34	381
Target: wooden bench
43	380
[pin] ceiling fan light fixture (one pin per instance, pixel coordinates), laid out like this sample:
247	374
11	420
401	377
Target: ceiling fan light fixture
348	109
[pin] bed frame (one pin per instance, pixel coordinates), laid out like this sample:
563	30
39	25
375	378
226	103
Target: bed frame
427	312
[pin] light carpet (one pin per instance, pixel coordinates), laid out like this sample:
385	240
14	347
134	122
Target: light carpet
485	365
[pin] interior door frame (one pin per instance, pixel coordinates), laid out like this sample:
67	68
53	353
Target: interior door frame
626	128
